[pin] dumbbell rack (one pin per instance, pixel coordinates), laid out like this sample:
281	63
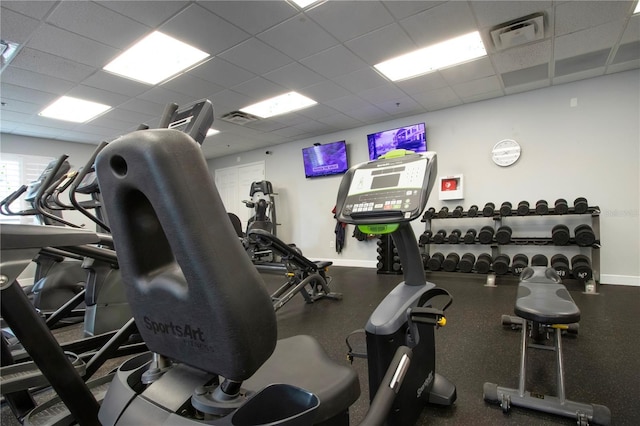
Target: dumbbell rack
498	218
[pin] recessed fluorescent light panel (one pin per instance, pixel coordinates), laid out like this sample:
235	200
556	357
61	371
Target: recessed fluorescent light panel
438	56
212	132
155	58
282	104
637	9
73	109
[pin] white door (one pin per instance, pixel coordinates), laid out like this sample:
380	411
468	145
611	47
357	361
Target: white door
233	185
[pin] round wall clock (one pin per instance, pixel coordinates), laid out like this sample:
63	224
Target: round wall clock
506	152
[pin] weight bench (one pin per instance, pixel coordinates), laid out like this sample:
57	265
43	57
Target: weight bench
542	300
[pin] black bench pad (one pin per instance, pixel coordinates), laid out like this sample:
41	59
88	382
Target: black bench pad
542	298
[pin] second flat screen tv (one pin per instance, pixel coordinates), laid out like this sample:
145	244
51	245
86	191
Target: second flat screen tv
412	138
325	160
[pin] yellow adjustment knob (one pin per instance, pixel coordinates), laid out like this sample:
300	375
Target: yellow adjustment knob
442	322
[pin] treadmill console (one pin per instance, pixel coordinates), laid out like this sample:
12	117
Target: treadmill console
34	187
389	190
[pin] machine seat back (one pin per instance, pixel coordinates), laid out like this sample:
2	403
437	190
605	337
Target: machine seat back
194	293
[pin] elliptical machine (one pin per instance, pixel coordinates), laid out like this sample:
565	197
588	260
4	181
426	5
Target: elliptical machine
264	205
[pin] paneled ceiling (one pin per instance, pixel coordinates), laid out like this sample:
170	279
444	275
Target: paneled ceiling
261	49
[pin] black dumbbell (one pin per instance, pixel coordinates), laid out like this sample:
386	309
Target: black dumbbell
444	212
560	263
542	207
435	261
520	261
505	209
470	236
523	208
425	259
466	262
429	213
561	206
503	235
580	205
501	264
457	212
581	267
450	263
473	211
397	266
584	235
488	209
425	237
539	260
485	236
483	263
560	235
439	236
454	237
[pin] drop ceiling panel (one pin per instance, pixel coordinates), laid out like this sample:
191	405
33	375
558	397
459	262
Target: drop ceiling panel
475	88
334	62
252	16
16	27
55	66
202	29
113	83
145	107
163	96
221	72
259	88
324	91
63	43
523	57
340	121
632	30
256	56
20	106
229	100
402	9
443	97
381	44
34	9
423	83
97	95
10	91
364	79
435	25
472	70
574	16
150	13
349	19
127	116
98	23
33	80
580	63
627	52
194	87
294	76
589	40
298	37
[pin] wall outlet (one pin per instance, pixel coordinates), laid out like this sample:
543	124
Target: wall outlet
331	243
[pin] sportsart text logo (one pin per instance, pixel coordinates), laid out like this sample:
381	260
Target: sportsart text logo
171	329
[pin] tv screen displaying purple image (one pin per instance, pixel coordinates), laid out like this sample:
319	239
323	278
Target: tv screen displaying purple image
412	138
325	160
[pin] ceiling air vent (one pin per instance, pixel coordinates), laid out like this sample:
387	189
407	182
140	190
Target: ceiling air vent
239	117
518	32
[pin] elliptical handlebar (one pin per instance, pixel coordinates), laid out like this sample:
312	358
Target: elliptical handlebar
82	173
4	204
50	181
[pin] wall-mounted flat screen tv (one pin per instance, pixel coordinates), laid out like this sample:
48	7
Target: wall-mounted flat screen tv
324	160
412	138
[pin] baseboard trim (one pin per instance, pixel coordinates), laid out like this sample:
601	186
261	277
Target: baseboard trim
352	263
629	280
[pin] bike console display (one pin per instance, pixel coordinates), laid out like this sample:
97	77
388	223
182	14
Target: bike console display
389	190
193	120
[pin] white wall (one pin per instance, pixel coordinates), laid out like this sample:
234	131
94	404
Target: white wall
591	149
